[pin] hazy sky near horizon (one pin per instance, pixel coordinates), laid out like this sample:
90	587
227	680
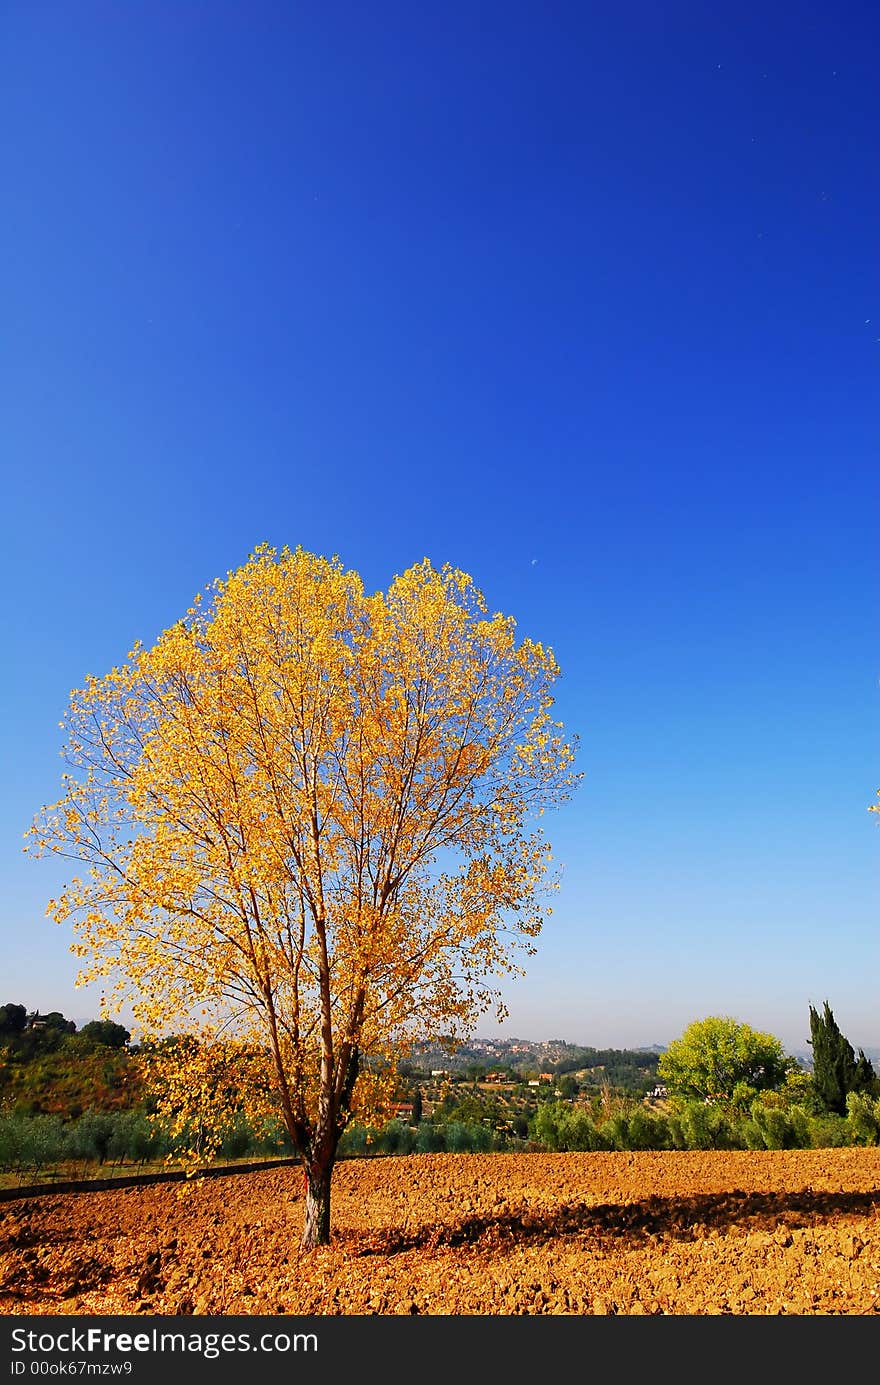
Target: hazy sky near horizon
582	299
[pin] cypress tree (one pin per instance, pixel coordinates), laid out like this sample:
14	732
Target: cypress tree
836	1071
866	1078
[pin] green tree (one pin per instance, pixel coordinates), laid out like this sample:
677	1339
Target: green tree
56	1021
716	1054
417	1106
105	1032
866	1077
91	1136
13	1019
836	1070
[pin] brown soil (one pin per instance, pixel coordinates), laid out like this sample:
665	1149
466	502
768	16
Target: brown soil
795	1232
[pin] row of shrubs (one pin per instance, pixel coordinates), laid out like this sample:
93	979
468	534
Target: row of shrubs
559	1126
33	1144
455	1137
696	1125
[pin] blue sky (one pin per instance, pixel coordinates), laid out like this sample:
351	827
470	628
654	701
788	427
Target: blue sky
583	299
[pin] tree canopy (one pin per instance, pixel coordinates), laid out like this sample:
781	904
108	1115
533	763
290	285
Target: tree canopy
836	1070
715	1055
105	1032
13	1019
306	821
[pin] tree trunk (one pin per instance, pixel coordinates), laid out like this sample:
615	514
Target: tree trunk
316	1231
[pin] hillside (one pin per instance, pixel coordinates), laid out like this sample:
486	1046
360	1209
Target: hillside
626	1068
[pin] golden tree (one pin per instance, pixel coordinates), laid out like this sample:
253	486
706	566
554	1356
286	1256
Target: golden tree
309	818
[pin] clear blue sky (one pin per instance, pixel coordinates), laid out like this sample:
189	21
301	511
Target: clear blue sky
582	298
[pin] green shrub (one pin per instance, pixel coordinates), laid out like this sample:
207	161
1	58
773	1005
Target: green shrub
800	1122
91	1136
693	1126
705	1125
752	1135
743	1097
135	1138
457	1136
31	1143
353	1142
863	1118
615	1131
646	1130
10	1142
238	1140
828	1132
480	1139
581	1132
548	1124
774	1125
394	1138
429	1139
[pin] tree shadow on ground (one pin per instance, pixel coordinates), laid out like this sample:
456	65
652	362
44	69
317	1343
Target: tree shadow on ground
685	1218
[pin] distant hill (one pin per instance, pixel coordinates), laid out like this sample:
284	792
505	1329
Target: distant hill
556	1056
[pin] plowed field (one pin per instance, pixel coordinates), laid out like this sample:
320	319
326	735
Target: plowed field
684	1233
